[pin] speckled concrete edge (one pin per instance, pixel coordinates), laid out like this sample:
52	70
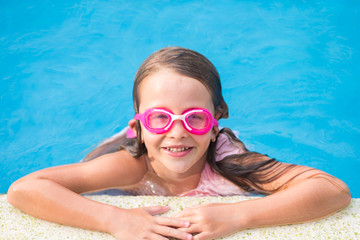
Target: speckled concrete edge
14	224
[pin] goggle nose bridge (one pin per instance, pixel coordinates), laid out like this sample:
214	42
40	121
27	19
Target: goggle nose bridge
178	117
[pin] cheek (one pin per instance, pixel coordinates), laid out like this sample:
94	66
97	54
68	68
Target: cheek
151	140
146	136
204	140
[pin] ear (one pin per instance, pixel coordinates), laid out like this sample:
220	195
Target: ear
217	116
215	132
132	125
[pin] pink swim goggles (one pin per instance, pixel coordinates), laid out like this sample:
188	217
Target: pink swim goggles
160	120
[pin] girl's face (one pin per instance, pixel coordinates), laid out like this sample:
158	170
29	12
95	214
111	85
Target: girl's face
176	153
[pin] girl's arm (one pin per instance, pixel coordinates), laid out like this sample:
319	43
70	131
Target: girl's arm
53	194
309	196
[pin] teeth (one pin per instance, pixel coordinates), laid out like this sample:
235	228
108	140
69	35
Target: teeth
177	149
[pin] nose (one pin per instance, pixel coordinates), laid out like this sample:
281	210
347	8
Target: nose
177	130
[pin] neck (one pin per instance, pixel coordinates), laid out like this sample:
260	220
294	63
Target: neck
178	183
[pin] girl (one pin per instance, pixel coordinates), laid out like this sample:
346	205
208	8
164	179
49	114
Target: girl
174	147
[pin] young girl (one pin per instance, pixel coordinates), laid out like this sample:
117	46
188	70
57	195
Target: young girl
174	147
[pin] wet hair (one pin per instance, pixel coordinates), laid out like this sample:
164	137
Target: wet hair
248	170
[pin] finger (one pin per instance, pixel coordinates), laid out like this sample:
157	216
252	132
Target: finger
173	222
172	232
157	237
183	214
204	236
188	211
156	209
193	228
180	215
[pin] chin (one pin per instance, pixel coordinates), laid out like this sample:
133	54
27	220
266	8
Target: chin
178	167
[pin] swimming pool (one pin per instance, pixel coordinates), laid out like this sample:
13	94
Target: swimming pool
289	71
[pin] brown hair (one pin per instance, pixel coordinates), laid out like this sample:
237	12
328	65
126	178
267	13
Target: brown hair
186	62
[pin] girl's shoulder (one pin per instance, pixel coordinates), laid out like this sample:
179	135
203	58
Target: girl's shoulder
113	170
127	169
228	145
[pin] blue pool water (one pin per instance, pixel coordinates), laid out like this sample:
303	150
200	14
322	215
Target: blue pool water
290	73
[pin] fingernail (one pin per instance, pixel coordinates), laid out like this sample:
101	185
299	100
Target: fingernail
189	237
187	224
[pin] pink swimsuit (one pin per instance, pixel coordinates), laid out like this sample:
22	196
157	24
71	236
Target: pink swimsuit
213	184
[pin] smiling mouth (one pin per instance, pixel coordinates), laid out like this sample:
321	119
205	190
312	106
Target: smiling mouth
177	149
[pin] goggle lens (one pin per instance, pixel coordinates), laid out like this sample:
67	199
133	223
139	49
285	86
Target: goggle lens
157	120
198	120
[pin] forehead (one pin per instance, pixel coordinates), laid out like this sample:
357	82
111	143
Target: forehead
169	89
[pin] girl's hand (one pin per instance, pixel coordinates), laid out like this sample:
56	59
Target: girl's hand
139	223
211	220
